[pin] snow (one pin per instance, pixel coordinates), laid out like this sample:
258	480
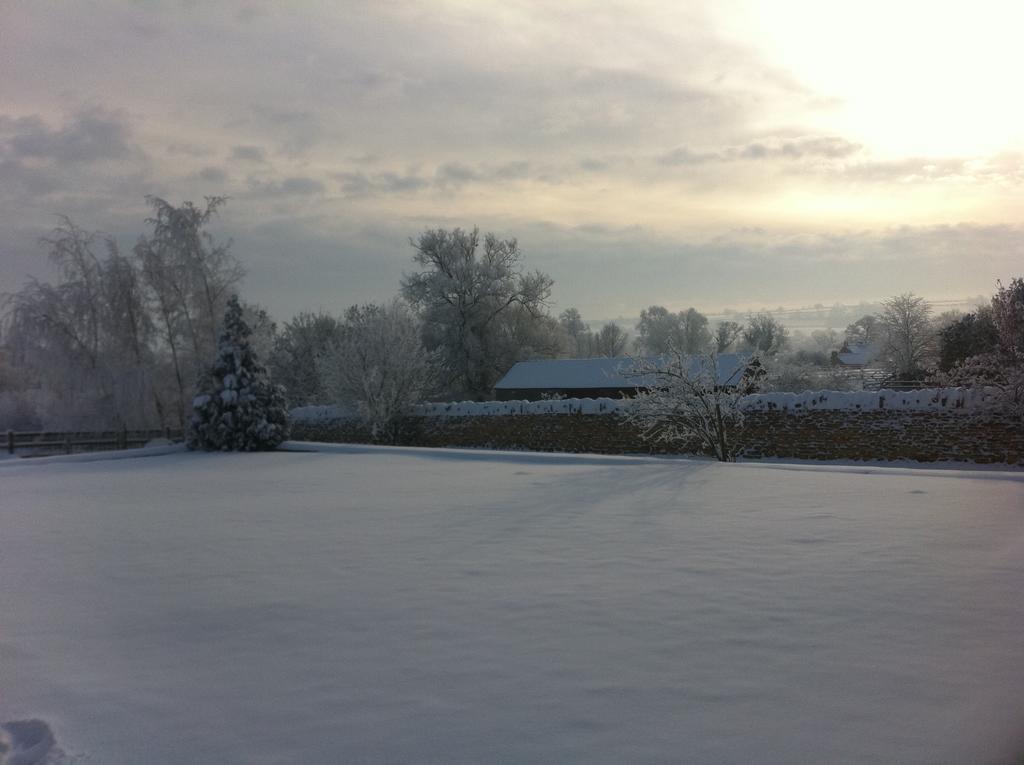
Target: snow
556	406
858	355
928	399
318	414
965	400
366	604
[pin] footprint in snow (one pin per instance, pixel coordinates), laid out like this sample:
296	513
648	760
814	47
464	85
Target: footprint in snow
28	742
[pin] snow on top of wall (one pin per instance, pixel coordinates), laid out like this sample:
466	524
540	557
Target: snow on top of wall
931	399
866	400
318	415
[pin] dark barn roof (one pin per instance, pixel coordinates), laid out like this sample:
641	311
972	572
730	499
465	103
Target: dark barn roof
594	378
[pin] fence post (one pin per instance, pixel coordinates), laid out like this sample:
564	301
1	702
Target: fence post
123	437
167	432
67	444
10	442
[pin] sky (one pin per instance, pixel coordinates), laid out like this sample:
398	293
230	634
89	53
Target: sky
715	154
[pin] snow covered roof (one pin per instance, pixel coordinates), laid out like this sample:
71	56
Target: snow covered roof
578	374
858	355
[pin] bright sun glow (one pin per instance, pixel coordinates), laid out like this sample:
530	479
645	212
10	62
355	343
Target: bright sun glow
908	78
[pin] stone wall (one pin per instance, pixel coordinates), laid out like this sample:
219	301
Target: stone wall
925	436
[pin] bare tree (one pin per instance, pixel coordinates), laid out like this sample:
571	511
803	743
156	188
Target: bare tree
610	341
727	333
696	338
580	338
462	293
379	367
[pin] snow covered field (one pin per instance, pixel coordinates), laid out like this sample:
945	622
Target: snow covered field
367	605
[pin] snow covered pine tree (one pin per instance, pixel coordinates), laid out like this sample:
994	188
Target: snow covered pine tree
239	408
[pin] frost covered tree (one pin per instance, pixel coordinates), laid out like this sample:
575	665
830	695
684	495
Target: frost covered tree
969	335
522	335
910	338
263	328
188	277
238	407
686	398
117	341
298	347
1008	315
1000	370
660	330
379	367
87	339
464	292
765	334
825	341
867	330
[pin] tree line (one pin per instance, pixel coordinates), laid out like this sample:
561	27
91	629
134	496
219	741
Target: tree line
125	338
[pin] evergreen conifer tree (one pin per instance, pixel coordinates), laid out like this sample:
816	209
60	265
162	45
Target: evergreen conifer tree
239	408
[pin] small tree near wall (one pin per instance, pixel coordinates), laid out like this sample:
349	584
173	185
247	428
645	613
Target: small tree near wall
687	398
238	408
379	368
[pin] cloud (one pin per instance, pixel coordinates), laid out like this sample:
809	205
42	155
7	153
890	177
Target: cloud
906	170
448	176
685	156
83	163
296	130
300	186
359	184
643	113
455	174
89	136
188	150
815	147
248	154
827	147
512	171
213	175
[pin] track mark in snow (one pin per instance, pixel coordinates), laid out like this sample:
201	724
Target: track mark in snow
28	742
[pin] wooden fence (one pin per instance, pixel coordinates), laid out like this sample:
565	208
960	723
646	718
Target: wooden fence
67	442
